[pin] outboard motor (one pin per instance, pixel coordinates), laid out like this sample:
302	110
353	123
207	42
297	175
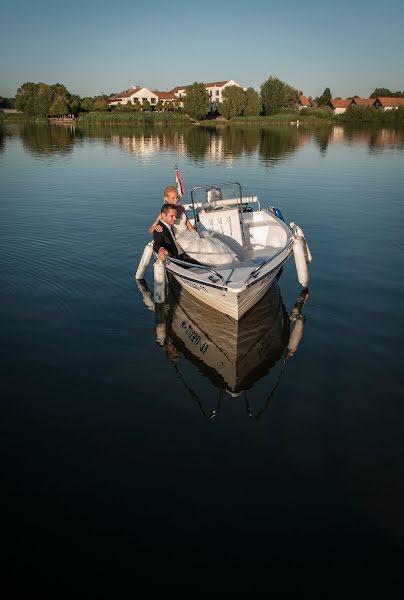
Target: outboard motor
212	196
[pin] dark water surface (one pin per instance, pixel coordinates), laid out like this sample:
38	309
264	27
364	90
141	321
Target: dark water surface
128	462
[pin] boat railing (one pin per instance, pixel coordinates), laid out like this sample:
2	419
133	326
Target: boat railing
253	275
179	262
254	272
223	202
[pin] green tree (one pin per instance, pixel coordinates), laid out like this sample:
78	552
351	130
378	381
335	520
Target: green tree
26	97
100	104
59	106
74	104
385	93
382	92
30	106
277	95
86	104
159	106
146	106
35	99
7	102
59	89
43	99
168	106
196	101
137	106
252	103
233	103
324	98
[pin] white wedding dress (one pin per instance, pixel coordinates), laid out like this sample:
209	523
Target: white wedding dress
204	248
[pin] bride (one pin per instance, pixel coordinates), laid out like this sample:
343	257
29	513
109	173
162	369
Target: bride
204	248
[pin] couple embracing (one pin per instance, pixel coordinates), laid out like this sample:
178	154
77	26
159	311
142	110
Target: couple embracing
174	236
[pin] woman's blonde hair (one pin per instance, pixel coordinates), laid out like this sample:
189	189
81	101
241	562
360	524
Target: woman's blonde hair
170	188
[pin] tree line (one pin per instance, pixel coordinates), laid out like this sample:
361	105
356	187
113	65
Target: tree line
43	100
276	96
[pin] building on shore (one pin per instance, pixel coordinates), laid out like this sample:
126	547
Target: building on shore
175	96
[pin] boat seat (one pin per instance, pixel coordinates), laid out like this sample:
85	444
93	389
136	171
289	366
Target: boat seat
265	235
226	223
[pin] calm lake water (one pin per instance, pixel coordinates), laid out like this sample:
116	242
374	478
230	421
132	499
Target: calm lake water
130	462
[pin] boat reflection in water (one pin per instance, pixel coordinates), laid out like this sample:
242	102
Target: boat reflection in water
234	355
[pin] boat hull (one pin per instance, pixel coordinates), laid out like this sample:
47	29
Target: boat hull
230	302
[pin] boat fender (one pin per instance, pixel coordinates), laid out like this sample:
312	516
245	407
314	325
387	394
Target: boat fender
295	335
144	261
159	281
278	213
299	255
299	231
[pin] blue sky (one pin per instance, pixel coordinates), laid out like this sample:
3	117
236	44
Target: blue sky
93	47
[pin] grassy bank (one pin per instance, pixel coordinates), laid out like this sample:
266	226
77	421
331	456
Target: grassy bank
132	118
354	115
319	116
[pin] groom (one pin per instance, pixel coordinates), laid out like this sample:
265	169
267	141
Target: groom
165	243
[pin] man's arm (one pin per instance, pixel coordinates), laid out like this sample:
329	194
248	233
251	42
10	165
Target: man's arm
160	246
155	224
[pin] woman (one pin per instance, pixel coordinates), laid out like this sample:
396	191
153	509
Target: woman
204	248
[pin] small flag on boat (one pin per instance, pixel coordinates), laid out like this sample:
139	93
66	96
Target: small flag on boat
178	181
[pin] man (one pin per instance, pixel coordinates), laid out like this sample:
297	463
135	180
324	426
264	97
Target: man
164	241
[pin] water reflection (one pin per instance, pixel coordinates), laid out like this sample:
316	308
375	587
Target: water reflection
374	138
199	142
234	355
48	139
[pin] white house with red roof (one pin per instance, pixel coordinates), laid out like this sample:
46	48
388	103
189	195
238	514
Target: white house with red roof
338	105
133	94
214	89
363	101
389	103
142	94
304	102
130	96
168	98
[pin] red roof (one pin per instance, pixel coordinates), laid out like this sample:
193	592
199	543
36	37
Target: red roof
165	95
126	93
304	101
339	103
216	83
363	101
391	102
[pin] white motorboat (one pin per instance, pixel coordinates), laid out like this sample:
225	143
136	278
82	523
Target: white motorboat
259	237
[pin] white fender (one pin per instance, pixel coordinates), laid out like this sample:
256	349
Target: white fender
161	324
144	261
300	261
295	335
299	246
159	282
299	232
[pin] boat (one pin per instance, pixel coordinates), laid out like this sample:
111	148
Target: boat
232	354
259	237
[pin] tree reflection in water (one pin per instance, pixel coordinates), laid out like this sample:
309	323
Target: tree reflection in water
199	142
